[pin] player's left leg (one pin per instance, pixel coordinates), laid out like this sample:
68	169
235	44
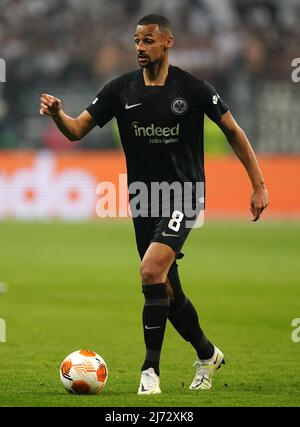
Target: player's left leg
154	269
184	318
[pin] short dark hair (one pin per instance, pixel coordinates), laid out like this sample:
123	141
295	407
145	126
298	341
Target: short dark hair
161	21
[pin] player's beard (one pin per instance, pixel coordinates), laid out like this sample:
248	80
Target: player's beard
145	64
149	63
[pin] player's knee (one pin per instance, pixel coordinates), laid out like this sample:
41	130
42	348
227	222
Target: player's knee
151	272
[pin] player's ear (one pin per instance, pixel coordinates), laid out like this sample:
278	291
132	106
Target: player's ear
170	42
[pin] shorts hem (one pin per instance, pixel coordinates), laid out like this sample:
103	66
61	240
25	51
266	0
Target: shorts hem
178	254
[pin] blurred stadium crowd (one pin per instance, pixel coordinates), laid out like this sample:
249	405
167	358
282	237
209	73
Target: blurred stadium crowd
70	48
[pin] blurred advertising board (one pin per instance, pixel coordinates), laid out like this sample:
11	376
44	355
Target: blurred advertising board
69	186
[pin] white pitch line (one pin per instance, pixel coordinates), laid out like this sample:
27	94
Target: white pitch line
3	287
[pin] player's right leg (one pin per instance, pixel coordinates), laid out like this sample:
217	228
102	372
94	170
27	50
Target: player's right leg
154	269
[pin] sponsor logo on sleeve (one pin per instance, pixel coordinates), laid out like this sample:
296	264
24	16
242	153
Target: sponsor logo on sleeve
215	99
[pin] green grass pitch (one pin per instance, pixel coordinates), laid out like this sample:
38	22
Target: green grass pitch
73	286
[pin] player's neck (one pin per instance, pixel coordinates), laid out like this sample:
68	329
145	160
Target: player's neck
157	75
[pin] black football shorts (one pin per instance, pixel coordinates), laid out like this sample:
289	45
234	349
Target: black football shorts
172	231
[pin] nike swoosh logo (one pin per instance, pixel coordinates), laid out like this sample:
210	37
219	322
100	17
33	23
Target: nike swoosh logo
127	107
152	327
143	388
216	359
169	235
201	381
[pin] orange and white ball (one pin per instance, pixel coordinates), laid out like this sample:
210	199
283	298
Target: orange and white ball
83	372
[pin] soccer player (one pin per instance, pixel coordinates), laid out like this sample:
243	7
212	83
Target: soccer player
160	111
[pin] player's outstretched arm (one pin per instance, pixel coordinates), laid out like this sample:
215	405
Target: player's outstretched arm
73	128
243	149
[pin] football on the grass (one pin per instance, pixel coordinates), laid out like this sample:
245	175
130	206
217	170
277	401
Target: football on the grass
83	372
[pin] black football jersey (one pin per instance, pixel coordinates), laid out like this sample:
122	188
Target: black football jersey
161	128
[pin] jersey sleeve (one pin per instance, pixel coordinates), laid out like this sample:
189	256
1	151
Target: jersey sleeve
210	101
103	108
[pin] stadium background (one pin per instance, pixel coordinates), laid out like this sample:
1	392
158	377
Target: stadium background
71	49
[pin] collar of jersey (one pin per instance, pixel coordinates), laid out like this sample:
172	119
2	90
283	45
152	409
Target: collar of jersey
143	87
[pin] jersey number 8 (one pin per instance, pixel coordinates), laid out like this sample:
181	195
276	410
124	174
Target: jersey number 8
174	223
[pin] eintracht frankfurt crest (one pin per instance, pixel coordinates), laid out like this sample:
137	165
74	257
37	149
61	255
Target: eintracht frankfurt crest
179	106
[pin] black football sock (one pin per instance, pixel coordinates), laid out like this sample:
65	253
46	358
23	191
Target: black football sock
185	321
155	314
184	318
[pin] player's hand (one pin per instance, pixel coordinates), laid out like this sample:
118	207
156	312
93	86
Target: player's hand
50	105
259	201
